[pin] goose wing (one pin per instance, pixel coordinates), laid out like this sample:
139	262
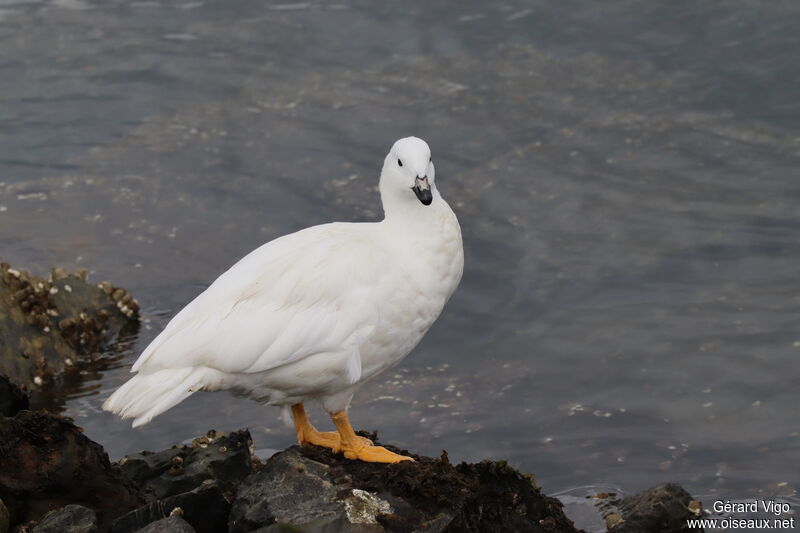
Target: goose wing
309	292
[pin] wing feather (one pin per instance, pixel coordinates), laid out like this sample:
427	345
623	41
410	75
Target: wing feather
305	293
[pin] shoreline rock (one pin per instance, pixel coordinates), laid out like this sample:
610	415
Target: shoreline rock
50	325
313	488
12	399
50	473
46	462
69	519
665	508
226	459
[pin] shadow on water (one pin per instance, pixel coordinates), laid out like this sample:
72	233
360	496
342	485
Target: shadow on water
625	177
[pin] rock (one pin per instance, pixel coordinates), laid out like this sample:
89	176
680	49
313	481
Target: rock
69	519
5	519
341	525
213	486
224	458
205	508
46	462
503	499
662	509
12	399
49	325
289	489
320	491
171	524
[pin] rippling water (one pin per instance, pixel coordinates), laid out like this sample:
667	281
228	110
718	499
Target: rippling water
626	177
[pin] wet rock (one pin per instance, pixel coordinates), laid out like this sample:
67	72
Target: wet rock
205	508
321	491
46	462
50	325
171	524
224	458
504	499
69	519
214	486
341	525
12	399
289	489
662	509
5	519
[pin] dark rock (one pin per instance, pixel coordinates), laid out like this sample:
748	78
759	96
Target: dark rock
46	462
224	458
289	489
48	326
69	519
171	524
206	508
319	491
5	519
661	509
503	499
340	525
12	399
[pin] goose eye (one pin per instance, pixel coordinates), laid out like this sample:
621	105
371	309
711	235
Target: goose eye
399	162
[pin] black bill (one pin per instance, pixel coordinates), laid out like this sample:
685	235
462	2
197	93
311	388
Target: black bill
423	190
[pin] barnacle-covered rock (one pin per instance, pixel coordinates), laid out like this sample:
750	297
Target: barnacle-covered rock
48	325
665	508
224	458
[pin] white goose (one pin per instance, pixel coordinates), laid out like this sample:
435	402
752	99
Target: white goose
314	314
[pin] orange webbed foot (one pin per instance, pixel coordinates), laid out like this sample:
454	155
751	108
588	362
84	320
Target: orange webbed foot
308	434
375	454
355	447
333	436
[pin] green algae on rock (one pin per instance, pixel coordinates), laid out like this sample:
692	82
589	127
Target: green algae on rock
48	325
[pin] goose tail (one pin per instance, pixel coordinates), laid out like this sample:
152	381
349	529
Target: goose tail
147	395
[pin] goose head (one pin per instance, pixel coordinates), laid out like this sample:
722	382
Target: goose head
408	174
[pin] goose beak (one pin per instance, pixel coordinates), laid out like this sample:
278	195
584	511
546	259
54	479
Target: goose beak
423	190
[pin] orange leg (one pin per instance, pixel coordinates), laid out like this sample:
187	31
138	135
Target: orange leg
354	446
308	434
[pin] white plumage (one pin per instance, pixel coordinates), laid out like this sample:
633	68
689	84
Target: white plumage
314	314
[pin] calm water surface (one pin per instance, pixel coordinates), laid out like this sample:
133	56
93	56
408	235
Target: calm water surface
626	177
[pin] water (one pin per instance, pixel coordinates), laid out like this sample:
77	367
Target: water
625	176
